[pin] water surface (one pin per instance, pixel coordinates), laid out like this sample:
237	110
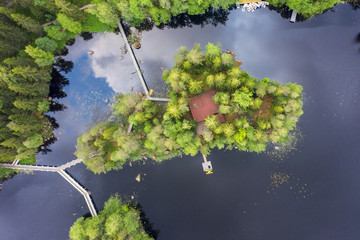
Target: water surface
321	199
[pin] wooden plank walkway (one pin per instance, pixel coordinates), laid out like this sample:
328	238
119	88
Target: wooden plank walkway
155	99
136	64
31	167
61	171
83	192
70	164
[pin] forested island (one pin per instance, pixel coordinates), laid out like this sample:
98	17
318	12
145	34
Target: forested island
117	220
213	104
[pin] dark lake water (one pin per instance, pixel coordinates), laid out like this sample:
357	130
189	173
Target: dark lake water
321	199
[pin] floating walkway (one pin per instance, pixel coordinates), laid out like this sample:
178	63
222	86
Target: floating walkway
61	171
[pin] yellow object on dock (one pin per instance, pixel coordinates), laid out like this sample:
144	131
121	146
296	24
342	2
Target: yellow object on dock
150	92
249	1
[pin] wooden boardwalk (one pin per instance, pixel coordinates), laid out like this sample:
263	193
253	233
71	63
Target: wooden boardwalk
61	171
136	64
82	190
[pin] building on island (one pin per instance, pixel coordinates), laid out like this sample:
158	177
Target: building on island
202	106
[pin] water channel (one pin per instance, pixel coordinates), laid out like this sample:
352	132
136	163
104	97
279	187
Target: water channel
321	199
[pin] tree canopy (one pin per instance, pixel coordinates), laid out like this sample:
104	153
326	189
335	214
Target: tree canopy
118	221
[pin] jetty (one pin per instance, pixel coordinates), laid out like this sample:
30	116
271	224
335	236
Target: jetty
293	16
61	170
207	166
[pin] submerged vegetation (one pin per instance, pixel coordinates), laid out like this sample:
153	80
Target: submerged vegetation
117	220
255	112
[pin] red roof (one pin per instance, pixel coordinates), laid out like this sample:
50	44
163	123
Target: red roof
202	106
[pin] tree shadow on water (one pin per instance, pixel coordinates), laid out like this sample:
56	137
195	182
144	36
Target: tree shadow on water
148	226
56	92
212	16
357	40
285	12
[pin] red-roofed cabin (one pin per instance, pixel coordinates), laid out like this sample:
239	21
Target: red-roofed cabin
202	106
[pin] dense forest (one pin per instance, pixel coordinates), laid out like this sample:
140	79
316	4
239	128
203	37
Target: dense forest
255	112
117	220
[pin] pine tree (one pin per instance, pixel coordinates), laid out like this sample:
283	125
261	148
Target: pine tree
41	57
46	44
69	10
106	14
27	23
69	24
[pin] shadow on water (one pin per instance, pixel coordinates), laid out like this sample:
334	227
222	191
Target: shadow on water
148	226
285	12
56	91
86	36
213	16
355	4
357	40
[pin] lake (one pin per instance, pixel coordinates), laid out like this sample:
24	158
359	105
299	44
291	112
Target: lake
320	200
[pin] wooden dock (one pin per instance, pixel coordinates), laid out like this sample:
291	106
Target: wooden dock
207	166
293	16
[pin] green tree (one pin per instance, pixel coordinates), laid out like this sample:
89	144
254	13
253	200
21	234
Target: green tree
227	59
195	56
243	99
105	12
126	104
69	24
41	57
69	10
212	50
46	44
117	220
212	122
27	23
54	32
33	141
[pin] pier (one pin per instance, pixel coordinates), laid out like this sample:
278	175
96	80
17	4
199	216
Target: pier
293	16
61	170
207	166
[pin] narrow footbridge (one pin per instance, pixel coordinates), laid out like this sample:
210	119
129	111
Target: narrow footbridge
61	170
137	67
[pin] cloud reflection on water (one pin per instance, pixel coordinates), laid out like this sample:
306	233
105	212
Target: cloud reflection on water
106	61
